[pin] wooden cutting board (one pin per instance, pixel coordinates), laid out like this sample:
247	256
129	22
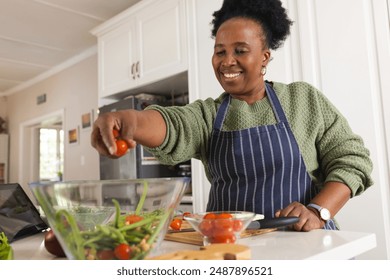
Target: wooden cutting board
210	252
195	238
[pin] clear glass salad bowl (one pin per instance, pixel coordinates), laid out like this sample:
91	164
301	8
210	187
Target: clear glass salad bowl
110	219
221	226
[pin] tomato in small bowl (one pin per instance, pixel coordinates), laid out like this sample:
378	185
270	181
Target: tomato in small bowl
220	226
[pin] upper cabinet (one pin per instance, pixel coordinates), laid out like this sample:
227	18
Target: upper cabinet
144	44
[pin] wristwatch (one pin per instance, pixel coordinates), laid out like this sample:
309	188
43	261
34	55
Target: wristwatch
324	213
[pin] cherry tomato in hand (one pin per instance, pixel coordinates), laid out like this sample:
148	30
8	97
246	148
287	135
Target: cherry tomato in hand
122	251
121	147
176	224
116	133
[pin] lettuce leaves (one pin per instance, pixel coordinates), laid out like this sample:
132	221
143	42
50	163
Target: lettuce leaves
6	252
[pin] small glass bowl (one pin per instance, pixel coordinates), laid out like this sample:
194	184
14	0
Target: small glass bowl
220	226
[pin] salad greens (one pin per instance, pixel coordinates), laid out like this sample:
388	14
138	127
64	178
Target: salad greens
128	236
6	252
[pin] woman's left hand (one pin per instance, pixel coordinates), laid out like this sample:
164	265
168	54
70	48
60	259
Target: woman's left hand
308	219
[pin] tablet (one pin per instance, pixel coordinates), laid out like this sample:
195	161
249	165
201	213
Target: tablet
18	215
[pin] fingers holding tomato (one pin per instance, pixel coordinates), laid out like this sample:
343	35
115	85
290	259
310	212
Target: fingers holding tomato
121	145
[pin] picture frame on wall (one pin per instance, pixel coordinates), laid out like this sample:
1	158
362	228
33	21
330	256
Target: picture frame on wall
87	120
73	136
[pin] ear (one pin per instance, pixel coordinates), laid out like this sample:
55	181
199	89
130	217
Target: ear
266	57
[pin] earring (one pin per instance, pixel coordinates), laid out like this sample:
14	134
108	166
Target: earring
263	70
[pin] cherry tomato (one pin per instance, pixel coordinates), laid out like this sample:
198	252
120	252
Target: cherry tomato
224	216
223	238
105	254
206	227
176	224
121	147
185	214
131	219
116	133
237	225
122	251
223	224
209	216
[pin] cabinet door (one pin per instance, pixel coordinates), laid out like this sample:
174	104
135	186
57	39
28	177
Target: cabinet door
116	60
161	40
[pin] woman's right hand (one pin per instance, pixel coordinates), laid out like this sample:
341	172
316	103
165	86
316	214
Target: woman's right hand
102	136
144	127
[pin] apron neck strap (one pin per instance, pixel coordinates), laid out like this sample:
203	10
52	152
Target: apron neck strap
275	104
273	99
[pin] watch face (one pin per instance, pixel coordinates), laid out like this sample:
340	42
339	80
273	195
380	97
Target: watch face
325	214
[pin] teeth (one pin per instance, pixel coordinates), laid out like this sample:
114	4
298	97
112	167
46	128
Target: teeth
228	75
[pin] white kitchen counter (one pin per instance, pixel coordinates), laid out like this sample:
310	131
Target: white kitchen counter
277	245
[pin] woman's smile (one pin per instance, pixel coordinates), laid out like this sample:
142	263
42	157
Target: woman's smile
231	76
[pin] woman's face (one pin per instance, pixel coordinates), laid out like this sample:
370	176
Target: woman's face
239	55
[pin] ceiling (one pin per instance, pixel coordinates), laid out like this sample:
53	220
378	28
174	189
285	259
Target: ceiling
37	36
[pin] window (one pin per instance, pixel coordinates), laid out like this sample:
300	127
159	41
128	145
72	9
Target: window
51	149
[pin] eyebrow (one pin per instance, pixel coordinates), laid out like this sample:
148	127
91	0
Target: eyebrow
236	44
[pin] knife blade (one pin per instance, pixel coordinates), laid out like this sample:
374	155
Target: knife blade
273	222
180	230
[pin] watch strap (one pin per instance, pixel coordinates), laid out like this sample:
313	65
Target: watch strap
324	216
315	206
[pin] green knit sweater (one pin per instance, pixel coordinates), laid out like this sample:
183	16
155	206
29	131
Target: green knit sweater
331	151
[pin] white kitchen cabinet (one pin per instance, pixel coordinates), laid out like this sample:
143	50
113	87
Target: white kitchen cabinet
4	158
144	44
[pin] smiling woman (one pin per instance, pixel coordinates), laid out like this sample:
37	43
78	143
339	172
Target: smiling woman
267	147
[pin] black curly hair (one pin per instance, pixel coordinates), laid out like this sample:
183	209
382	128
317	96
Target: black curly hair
268	13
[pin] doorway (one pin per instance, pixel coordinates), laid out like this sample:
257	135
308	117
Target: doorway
41	144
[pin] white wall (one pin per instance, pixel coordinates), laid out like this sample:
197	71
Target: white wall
72	91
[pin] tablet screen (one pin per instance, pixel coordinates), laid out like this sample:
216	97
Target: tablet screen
18	215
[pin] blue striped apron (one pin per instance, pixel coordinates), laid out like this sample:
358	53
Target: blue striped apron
258	169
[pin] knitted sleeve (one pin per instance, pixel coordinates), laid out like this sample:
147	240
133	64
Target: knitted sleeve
188	131
341	153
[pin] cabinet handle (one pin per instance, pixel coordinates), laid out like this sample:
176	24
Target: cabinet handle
132	71
137	69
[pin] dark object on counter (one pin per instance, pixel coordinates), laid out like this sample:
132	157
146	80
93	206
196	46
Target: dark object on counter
52	245
19	217
273	223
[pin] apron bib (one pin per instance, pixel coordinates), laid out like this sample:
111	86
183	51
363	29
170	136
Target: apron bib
258	169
